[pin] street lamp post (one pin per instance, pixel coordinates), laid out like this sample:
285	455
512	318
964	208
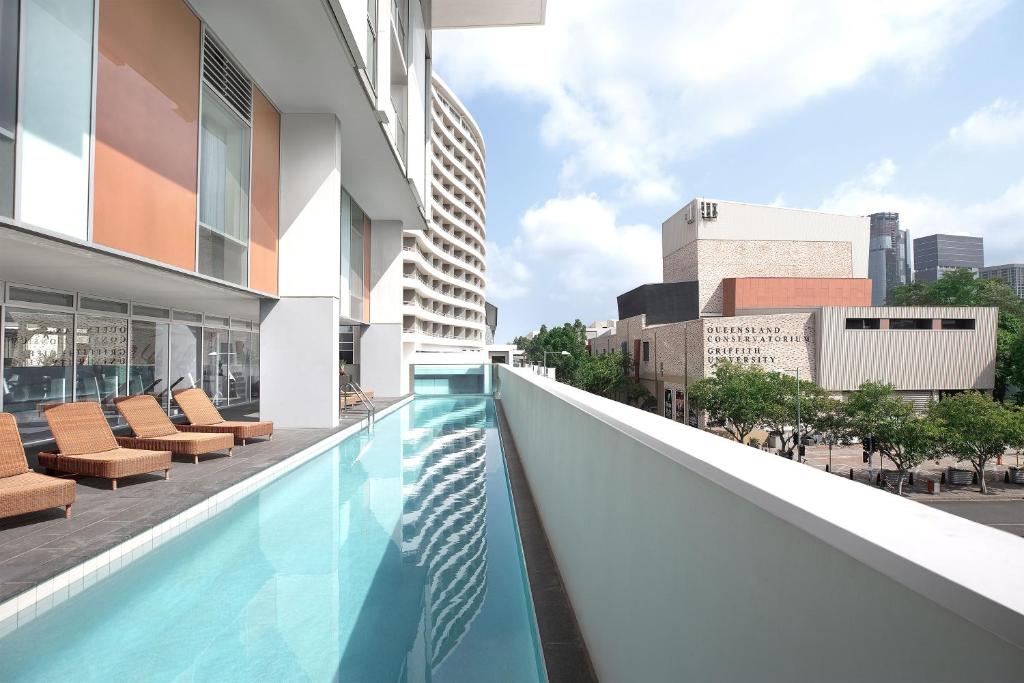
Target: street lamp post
798	430
560	353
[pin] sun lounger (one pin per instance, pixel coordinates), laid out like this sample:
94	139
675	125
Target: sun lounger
203	416
154	431
88	447
21	489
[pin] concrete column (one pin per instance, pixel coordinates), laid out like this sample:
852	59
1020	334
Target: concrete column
299	333
299	362
382	363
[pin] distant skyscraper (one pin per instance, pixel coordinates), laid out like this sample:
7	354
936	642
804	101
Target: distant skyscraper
935	255
888	257
1012	273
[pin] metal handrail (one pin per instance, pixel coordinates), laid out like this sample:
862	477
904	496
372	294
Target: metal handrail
368	406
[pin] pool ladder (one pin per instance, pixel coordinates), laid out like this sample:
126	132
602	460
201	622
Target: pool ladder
371	410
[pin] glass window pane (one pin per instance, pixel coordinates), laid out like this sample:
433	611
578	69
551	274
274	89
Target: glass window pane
56	114
355	281
222	257
238	367
186	358
101	350
223	191
215	365
148	374
254	369
37	367
40	296
8	101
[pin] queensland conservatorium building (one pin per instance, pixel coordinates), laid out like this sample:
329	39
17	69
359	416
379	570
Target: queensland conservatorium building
787	290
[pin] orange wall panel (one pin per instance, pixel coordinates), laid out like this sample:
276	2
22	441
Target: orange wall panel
147	129
266	174
784	292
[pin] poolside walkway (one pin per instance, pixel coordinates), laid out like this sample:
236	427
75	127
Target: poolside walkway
36	547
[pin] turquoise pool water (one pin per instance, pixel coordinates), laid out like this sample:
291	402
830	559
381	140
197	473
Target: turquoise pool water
391	557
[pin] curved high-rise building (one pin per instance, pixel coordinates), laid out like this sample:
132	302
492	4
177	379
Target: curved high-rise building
444	265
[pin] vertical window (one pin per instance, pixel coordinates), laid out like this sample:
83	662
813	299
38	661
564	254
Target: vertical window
186	358
254	368
238	367
56	115
150	361
371	43
647	351
38	366
216	373
357	260
8	101
223	192
101	352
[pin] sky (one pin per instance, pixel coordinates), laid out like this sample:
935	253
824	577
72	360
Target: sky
606	120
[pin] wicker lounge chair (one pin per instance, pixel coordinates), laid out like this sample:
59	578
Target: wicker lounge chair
21	489
88	447
203	416
154	431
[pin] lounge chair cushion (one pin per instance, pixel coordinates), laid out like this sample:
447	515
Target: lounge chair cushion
31	491
145	416
113	464
80	428
198	407
12	453
181	443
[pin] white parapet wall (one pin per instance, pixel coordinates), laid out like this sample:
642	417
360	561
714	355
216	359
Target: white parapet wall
691	558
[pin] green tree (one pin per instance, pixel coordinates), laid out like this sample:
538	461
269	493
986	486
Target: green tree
900	434
601	375
739	396
832	422
570	337
963	288
974	428
781	408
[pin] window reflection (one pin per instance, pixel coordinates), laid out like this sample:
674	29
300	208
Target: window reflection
238	367
37	366
186	359
149	361
101	349
216	373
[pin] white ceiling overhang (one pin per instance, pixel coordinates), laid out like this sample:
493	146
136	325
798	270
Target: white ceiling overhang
480	13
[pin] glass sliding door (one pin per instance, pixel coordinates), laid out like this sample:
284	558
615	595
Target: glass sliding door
223	192
38	366
101	352
216	360
150	360
9	25
254	369
186	368
238	366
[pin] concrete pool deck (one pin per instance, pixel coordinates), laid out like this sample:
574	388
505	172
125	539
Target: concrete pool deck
36	547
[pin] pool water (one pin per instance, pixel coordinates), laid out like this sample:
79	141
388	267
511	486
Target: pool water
391	557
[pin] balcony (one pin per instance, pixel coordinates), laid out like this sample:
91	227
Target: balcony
691	558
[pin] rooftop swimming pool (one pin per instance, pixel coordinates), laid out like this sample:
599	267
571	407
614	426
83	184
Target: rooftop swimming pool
393	556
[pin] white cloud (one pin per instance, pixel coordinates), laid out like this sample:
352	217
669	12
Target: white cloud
507	277
997	125
629	88
572	252
1000	220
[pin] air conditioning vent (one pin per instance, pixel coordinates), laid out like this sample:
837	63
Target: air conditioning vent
224	76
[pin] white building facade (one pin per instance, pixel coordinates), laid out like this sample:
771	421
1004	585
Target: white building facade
444	265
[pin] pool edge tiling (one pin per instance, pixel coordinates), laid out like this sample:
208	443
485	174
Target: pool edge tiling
37	600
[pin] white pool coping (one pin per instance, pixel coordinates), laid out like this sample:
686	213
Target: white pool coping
36	601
